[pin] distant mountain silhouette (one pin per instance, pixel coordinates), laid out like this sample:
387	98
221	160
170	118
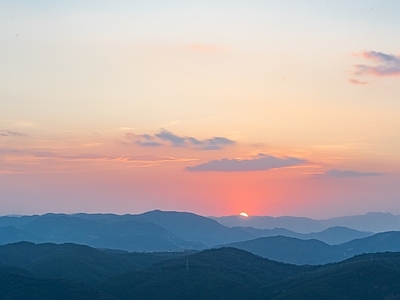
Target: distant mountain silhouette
11	234
161	231
133	234
192	227
296	224
373	222
336	235
332	236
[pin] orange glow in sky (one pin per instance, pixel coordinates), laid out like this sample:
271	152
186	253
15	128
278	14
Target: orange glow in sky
268	107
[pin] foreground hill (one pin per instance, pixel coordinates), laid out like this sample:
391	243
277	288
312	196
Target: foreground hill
75	262
364	277
232	274
225	273
17	284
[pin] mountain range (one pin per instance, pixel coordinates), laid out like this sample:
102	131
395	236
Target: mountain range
179	231
153	231
373	222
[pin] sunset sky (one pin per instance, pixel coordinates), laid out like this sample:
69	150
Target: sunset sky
213	107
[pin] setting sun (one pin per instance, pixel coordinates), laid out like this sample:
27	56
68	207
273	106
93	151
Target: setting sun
243	214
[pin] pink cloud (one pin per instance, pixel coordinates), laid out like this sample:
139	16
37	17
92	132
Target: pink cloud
382	64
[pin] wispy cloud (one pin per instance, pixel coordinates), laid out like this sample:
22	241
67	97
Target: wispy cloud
382	64
355	81
206	48
348	173
127	158
9	133
260	163
22	161
167	138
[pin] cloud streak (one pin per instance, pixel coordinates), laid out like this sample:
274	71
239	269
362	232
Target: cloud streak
349	174
18	161
383	64
9	133
359	82
260	163
166	138
206	48
127	158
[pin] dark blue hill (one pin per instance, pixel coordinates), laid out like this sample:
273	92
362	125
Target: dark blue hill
225	273
192	227
292	250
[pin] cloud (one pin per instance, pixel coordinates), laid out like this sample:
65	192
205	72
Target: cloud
349	173
355	81
93	156
8	133
90	156
175	140
167	138
84	156
206	48
384	64
260	163
14	161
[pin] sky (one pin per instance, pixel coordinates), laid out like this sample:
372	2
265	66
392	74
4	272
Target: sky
272	108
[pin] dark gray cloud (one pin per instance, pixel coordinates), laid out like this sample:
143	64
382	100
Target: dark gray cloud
385	64
349	173
9	133
167	138
260	163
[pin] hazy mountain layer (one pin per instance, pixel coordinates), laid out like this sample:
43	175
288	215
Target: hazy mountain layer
151	231
373	222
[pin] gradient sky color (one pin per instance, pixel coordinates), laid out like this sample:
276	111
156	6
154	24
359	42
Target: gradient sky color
214	107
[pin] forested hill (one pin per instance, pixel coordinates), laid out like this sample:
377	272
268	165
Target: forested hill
68	271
